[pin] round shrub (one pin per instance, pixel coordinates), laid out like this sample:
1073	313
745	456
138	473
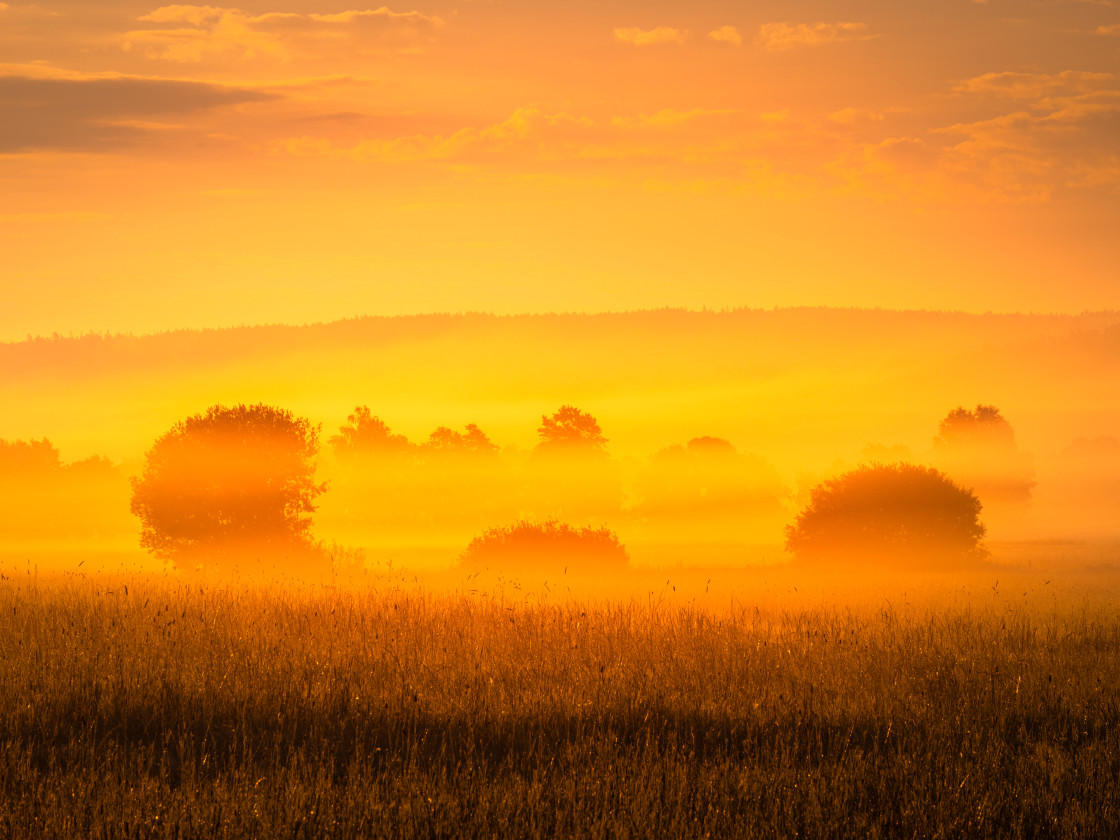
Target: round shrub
548	545
888	513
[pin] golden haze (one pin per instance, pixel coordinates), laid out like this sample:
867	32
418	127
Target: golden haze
717	425
184	165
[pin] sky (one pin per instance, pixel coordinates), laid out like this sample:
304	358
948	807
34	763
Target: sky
279	161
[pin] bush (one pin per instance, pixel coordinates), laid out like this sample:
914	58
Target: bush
889	513
549	545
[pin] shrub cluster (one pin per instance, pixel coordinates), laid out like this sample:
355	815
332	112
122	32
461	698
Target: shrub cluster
547	545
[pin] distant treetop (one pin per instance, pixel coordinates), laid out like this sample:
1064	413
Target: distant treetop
40	458
366	434
473	441
978	447
708	445
983	427
23	456
1104	447
570	429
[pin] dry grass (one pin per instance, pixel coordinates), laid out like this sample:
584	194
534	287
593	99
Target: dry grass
156	708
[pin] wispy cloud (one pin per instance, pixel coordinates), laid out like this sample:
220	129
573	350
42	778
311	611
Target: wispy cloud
101	113
788	36
727	35
1062	136
1016	85
671	118
194	33
854	116
650	37
527	131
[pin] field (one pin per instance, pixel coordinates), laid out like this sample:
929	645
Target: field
762	704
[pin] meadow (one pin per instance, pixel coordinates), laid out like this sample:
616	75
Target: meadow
755	703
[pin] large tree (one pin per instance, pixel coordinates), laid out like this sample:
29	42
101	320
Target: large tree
892	513
227	481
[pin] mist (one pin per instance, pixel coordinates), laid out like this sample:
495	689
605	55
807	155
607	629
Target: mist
714	428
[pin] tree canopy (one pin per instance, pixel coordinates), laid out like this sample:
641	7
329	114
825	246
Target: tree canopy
984	426
888	513
472	441
226	481
365	434
979	447
570	430
21	457
708	479
708	445
30	459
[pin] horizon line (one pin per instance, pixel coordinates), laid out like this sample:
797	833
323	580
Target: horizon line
30	338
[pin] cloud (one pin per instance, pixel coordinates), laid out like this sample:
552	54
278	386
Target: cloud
197	15
100	113
908	152
650	37
671	118
527	132
1063	136
533	138
197	33
727	35
728	146
1110	29
788	36
1062	140
1035	85
854	116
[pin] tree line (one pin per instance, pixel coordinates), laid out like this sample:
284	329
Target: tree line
240	479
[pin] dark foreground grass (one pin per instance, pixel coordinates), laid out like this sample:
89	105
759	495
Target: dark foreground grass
148	709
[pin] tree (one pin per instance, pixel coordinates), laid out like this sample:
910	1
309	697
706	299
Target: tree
706	445
892	512
366	434
570	475
228	481
979	448
46	499
570	430
708	480
549	546
473	441
34	457
983	427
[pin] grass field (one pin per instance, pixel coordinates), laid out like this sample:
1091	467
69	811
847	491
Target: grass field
757	705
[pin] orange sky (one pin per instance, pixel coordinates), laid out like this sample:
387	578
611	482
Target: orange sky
286	161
